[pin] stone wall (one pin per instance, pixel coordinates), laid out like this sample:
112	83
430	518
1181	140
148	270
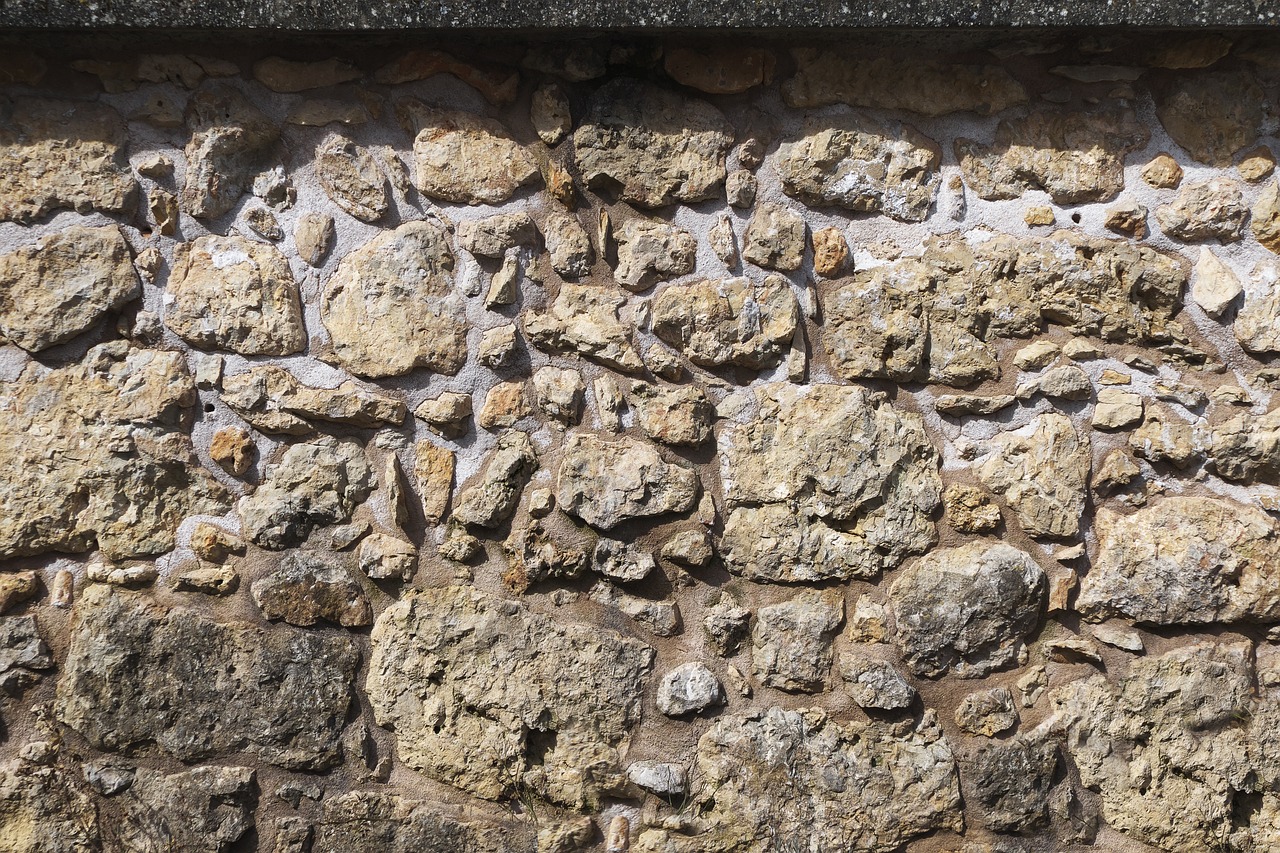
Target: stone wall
677	447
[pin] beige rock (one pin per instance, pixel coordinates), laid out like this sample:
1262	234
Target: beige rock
503	406
1127	217
283	75
1117	409
568	245
1265	222
313	236
1162	172
1042	470
558	392
447	413
493	236
609	402
831	76
314	484
652	144
63	285
433	471
272	400
1075	157
675	415
607	482
581	684
1204	210
1039	215
212	543
802	505
263	222
62	154
392	305
235	294
987	712
1165	438
163	206
1036	355
307	587
208	580
859	164
229	136
549	113
498	345
969	509
972	404
791	641
719	69
651	251
728	322
722	241
775	238
830	252
464	158
497	83
16	588
1214	286
352	178
491	498
1212	116
233	450
740	188
584	319
365	821
661	618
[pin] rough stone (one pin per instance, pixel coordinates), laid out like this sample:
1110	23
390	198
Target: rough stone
558	393
967	609
859	164
675	415
659	777
1042	470
352	178
503	406
42	810
1214	286
1205	210
585	319
550	113
651	251
1074	157
492	498
802	507
775	238
987	712
1010	782
234	294
310	586
717	69
791	641
1127	217
518	698
392	305
203	810
64	285
1266	217
1117	409
233	450
568	245
607	482
380	822
492	236
875	684
229	138
726	625
1162	172
138	674
313	236
662	618
731	321
464	158
969	509
62	155
314	484
830	252
1212	116
1257	165
652	145
689	689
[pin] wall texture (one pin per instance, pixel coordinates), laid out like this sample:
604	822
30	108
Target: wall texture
683	447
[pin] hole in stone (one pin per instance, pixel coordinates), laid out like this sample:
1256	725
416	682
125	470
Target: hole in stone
1075	217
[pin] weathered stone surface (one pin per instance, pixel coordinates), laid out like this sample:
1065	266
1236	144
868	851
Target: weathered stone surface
967	609
825	76
726	625
825	484
44	811
689	689
62	154
731	321
1074	157
310	586
585	319
518	699
791	641
313	237
490	500
969	509
229	137
138	674
272	400
775	238
550	113
608	482
497	83
1214	286
234	294
659	777
568	245
662	618
875	684
1010	781
80	444
204	810
314	484
464	158
492	236
1163	172
63	285
351	176
858	786
378	822
651	251
1257	326
392	305
987	712
675	415
1042	470
1265	222
1117	409
719	69
1184	560
860	164
1205	210
284	75
622	562
652	145
558	393
1212	116
830	252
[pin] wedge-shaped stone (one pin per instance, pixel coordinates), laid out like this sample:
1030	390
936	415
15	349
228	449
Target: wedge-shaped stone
273	401
229	139
138	674
513	696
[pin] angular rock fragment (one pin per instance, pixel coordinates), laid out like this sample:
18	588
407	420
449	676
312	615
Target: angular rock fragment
93	453
869	786
535	554
392	305
876	684
378	822
969	509
1184	560
659	777
490	501
662	618
42	809
313	485
791	641
234	294
1117	409
689	689
203	810
860	164
550	113
272	400
559	393
229	137
675	415
1163	172
62	154
310	586
1214	286
652	145
775	238
1205	210
731	321
568	245
1257	325
622	562
63	285
352	178
824	484
1212	115
138	674
1042	470
492	236
967	609
650	251
313	237
608	482
987	712
726	625
464	158
1074	157
1265	223
584	319
515	696
825	76
1010	781
830	252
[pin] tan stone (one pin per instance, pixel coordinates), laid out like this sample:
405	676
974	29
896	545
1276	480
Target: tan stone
608	482
775	238
584	319
1127	217
461	157
490	498
229	137
1265	222
675	415
969	509
1042	470
651	251
1117	409
550	113
1204	210
351	176
558	392
708	321
283	75
273	401
1039	215
503	406
1257	165
719	69
313	236
1214	286
1163	172
433	470
1213	115
233	450
235	294
830	252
